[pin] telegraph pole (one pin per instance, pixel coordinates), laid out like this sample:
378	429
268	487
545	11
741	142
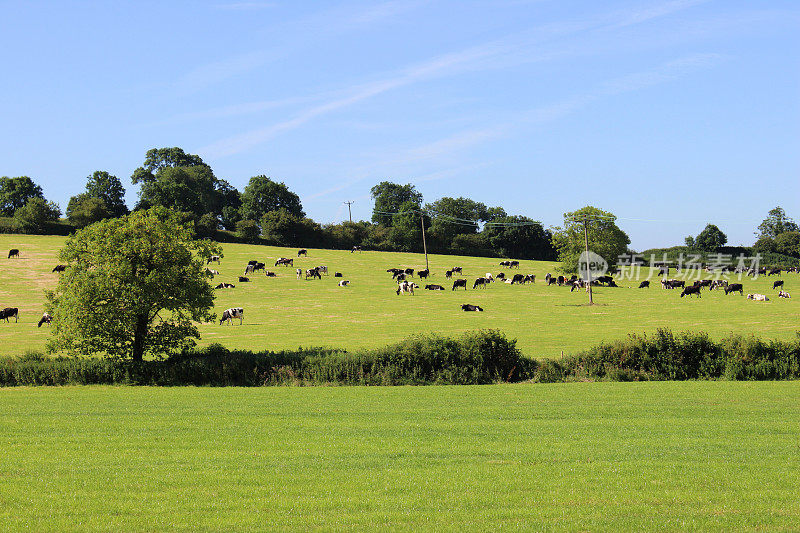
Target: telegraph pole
348	210
424	246
586	240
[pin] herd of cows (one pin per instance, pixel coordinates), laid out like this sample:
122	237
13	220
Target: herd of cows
404	280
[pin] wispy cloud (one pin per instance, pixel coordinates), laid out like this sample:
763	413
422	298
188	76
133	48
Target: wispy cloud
653	12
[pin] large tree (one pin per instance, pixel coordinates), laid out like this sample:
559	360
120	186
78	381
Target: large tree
15	192
520	237
788	243
32	216
108	188
458	216
263	195
605	237
389	197
84	209
134	286
776	223
710	238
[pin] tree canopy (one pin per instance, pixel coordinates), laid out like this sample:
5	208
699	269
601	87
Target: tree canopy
520	237
389	197
15	192
134	286
108	188
36	211
605	237
710	238
262	195
776	223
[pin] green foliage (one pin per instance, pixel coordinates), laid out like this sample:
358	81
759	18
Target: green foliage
135	286
389	197
776	223
281	227
526	239
263	195
765	245
36	212
207	225
108	188
710	239
84	209
788	243
453	216
605	238
247	230
15	193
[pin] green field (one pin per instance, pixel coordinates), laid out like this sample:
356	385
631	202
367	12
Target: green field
578	456
284	312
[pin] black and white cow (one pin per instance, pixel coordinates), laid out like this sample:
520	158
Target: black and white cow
46	319
213	259
322	269
513	264
243	279
423	274
8	312
777	284
313	273
448	274
344	283
229	314
518	278
299	273
480	282
434	288
470	307
337	274
459	283
457	269
784	294
302	251
692	289
734	287
406	287
225	286
355	249
13	253
645	284
269	274
59	268
285	261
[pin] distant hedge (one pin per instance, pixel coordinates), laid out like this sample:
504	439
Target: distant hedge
485	356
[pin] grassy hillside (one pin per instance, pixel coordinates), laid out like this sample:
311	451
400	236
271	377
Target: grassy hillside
582	456
285	312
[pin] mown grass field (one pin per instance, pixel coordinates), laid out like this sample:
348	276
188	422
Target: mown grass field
720	456
284	312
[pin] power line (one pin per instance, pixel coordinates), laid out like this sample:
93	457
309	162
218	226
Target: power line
349	214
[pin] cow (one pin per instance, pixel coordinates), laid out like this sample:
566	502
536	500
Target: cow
395	271
213	259
505	263
409	272
323	269
337	274
59	268
552	281
423	274
399	277
299	273
784	294
448	274
406	287
480	282
212	272
225	286
258	266
285	261
548	277
501	275
46	319
229	314
243	279
344	283
774	271
734	287
518	278
777	284
355	249
459	283
8	312
434	288
13	253
249	269
470	307
645	284
703	283
692	289
269	274
489	277
561	280
718	283
603	279
252	262
514	264
457	269
758	297
302	251
313	273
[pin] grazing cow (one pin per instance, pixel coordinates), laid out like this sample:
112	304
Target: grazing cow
561	280
734	287
480	282
269	274
459	283
258	266
703	283
434	288
313	273
401	276
46	319
285	261
505	263
423	274
355	249
212	272
60	268
229	314
774	271
758	297
249	269
395	271
777	284
344	283
692	289
513	264
470	307
612	284
529	278
663	271
548	277
302	251
13	253
489	277
604	279
322	269
645	284
299	273
8	312
501	275
457	269
518	278
718	283
243	279
552	281
406	287
252	262
225	286
337	274
448	274
409	272
213	259
784	294
507	281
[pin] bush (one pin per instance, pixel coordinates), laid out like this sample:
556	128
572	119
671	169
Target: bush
247	230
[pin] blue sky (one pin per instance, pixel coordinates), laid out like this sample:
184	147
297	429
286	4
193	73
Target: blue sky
668	113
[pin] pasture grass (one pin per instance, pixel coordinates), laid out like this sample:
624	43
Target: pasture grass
575	456
286	313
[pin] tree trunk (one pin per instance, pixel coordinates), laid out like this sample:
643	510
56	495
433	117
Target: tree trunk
138	338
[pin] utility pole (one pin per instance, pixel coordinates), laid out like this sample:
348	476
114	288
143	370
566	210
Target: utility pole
348	210
424	246
586	240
